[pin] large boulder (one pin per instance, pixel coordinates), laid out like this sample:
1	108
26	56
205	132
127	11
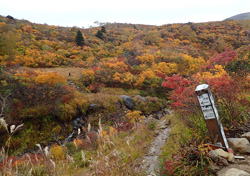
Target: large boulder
246	135
232	172
241	145
128	102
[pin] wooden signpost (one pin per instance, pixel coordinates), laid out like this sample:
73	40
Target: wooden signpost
211	115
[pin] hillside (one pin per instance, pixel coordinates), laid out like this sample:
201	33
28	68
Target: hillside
242	16
95	104
52	46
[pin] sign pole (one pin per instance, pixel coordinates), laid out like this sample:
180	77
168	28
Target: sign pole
211	115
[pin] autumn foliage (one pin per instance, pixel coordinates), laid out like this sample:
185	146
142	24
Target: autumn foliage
166	61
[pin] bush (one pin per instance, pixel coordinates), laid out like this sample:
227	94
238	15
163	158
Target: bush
134	116
58	152
149	105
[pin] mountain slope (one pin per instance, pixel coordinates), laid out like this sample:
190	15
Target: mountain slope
242	16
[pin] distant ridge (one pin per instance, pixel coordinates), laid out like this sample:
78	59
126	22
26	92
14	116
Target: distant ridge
242	16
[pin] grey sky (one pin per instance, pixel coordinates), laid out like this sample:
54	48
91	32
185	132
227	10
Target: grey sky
85	12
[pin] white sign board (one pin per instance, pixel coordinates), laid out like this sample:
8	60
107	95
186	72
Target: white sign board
206	106
208	112
204	100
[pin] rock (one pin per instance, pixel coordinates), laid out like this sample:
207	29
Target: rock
70	137
241	145
78	122
232	172
158	115
246	135
140	98
217	159
128	102
224	154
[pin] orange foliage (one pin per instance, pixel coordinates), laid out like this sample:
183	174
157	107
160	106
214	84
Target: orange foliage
50	78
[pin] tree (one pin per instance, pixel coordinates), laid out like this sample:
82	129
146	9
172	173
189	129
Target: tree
101	33
79	38
103	29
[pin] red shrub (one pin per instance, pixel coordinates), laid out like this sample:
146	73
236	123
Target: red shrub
223	58
224	87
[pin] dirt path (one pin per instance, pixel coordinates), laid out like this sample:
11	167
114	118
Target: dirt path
150	163
67	72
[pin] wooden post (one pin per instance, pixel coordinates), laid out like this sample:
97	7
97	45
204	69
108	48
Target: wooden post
211	115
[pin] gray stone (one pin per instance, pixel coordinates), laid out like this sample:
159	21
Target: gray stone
217	159
232	172
128	102
246	135
140	98
167	111
241	145
224	154
158	115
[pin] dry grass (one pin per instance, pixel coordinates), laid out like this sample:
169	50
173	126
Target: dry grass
121	154
116	154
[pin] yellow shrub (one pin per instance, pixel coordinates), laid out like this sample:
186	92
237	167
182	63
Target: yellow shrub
124	77
147	74
147	58
215	72
88	75
50	78
134	116
165	68
57	152
189	64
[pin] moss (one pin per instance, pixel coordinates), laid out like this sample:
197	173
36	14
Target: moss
107	101
150	105
119	91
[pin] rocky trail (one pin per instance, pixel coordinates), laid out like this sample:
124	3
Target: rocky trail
236	163
238	168
150	162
